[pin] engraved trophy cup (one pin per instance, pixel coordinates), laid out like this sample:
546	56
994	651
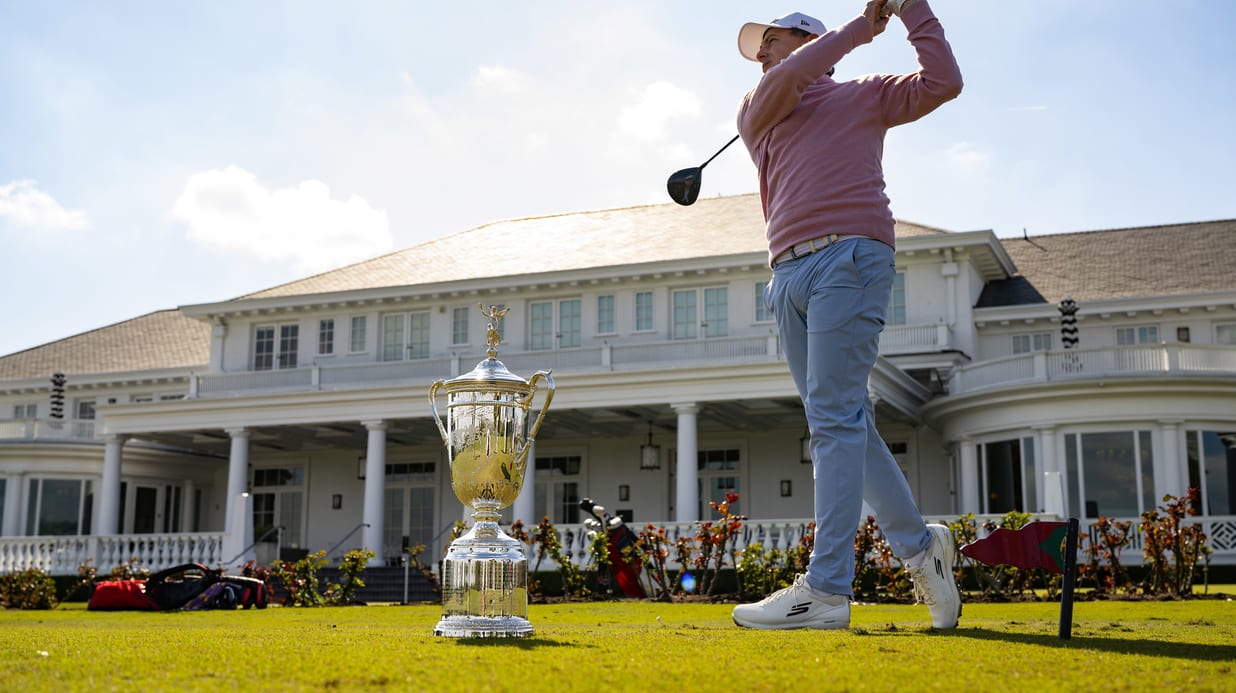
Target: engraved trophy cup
487	437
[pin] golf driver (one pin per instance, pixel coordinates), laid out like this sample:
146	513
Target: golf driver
684	185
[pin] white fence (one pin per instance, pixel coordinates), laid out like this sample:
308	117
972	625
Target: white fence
1074	364
64	555
783	534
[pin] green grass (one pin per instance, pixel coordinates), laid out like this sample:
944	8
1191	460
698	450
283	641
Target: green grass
623	646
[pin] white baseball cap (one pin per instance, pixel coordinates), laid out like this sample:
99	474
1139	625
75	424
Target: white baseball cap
751	35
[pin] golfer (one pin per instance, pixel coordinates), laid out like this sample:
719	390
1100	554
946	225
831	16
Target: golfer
817	144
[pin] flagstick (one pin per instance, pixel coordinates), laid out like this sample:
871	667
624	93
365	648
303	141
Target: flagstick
1070	576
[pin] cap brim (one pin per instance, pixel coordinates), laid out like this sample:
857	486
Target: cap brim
750	36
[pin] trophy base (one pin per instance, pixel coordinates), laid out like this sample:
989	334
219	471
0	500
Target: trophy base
484	586
481	627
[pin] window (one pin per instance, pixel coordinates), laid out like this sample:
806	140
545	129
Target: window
1026	343
278	501
275	346
1225	334
405	336
1109	473
85	409
718	475
605	314
896	314
643	311
25	411
459	326
59	507
1007	476
357	336
687	323
557	488
544	331
1145	334
326	336
1212	469
762	312
410	491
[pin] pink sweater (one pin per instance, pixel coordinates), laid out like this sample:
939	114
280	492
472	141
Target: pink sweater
818	143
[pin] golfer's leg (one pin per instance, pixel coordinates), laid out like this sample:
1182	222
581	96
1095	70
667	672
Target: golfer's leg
840	351
886	490
884	486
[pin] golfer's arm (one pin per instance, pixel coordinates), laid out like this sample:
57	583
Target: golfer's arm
781	87
906	98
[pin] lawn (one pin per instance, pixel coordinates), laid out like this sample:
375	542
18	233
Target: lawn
624	646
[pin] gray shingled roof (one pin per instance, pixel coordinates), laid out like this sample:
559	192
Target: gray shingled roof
712	227
165	339
1119	263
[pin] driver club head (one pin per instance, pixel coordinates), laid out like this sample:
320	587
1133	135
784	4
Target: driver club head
684	186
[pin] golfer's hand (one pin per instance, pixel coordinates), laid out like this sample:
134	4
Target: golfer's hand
875	14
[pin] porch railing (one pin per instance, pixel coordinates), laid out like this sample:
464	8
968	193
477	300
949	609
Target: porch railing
782	534
1076	364
64	555
623	356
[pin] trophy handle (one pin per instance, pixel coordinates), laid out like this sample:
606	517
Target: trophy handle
433	404
549	397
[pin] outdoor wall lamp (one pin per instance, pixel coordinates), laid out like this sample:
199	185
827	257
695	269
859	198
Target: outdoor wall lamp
649	454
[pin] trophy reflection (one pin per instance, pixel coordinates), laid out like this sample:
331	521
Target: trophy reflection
487	437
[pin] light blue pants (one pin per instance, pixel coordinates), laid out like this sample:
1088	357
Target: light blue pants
830	308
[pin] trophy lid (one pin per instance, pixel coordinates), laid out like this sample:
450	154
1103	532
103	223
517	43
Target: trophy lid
490	373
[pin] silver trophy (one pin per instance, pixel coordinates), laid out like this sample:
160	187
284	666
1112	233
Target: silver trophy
485	572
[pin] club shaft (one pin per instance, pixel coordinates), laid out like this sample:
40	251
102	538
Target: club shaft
727	144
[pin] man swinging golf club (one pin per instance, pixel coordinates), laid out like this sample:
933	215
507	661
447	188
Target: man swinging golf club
817	144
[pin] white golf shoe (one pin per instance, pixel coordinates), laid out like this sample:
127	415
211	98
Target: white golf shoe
934	584
796	606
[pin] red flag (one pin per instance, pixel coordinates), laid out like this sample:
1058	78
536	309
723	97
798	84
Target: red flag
1037	545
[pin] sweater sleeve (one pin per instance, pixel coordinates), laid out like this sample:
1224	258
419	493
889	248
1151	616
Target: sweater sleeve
780	89
906	98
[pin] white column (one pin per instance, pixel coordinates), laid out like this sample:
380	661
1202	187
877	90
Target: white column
1053	477
187	491
218	342
237	475
686	505
107	521
12	506
525	504
1171	469
375	490
969	477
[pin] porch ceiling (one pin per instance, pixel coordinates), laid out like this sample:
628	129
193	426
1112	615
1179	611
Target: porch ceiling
623	422
713	418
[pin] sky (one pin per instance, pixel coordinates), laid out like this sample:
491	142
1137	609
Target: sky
159	154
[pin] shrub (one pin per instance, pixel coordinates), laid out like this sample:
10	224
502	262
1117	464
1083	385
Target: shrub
353	564
28	589
1173	549
1102	568
300	579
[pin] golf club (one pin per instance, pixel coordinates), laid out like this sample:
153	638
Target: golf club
684	185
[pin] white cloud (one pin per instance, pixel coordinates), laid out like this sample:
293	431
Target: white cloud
30	208
656	105
229	210
967	157
500	78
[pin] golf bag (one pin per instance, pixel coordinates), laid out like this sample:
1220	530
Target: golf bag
624	570
120	595
230	592
173	587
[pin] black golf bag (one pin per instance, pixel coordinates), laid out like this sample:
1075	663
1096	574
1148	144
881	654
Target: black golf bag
624	570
